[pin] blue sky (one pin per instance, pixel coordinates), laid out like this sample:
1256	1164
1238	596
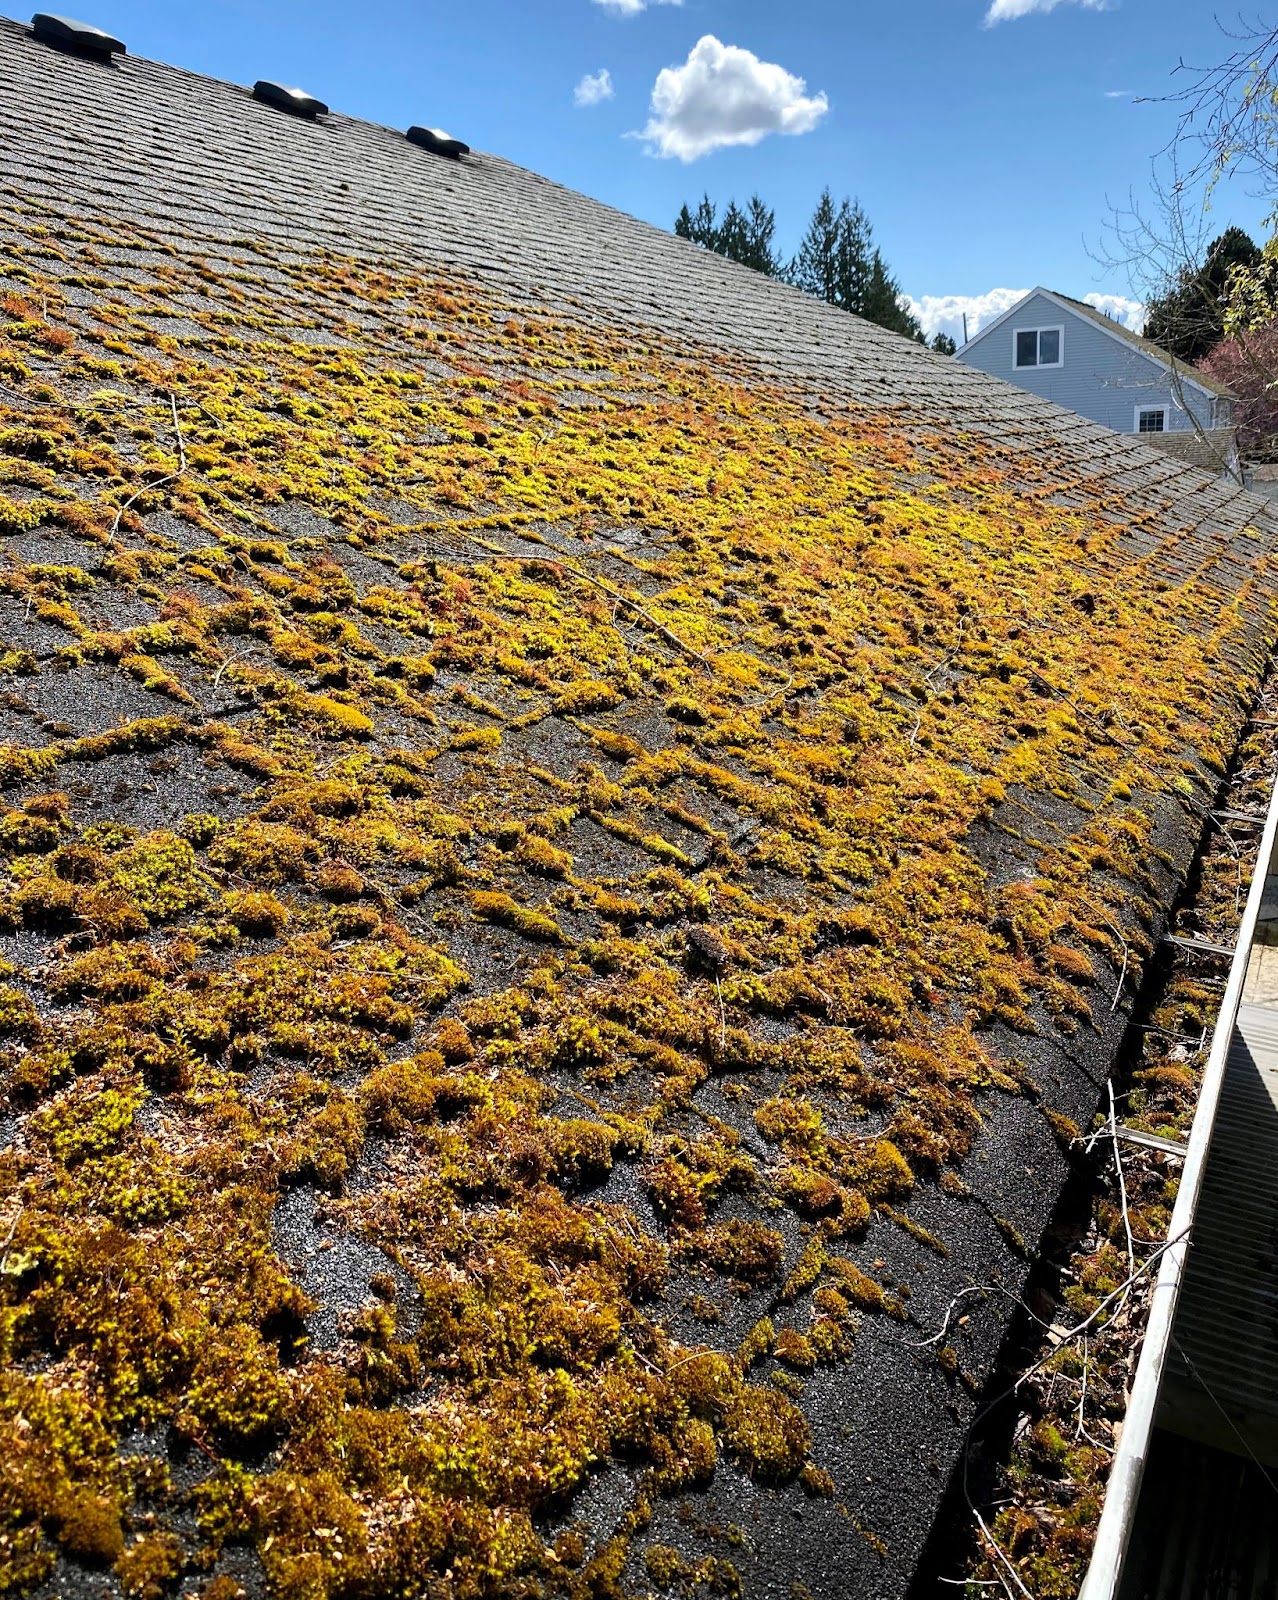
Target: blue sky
984	150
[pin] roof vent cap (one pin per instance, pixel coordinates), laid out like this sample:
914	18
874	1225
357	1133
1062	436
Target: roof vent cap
284	98
438	142
67	34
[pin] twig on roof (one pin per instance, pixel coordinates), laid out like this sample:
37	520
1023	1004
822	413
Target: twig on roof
1065	1337
235	655
8	1238
158	483
137	495
777	694
616	594
1122	1289
1118	934
1224	834
1081	1432
177	430
976	1288
952	656
1046	684
868	1138
1122	1181
1118	988
1082	1398
672	638
203	1448
999	1552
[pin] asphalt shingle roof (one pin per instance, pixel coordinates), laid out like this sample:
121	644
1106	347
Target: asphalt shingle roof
573	819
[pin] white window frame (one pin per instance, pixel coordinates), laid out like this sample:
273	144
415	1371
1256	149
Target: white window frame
1140	410
1057	328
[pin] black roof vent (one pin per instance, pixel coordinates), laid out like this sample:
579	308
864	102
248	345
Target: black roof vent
295	101
438	143
82	37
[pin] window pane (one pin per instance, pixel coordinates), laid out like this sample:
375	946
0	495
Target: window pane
1049	347
1152	421
1027	349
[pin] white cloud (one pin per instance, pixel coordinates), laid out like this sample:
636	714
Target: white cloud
723	95
632	8
943	313
1009	10
1131	313
594	88
1118	94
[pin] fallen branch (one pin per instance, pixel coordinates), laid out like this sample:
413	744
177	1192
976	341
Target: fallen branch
158	482
575	571
976	1288
634	605
1122	1181
998	1550
235	655
1067	1335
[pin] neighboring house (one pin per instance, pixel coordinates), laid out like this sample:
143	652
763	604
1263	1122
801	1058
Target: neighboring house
1069	352
571	823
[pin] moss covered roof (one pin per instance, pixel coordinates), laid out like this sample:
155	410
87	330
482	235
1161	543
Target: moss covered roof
571	823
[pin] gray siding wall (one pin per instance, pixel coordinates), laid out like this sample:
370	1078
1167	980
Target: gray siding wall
1101	378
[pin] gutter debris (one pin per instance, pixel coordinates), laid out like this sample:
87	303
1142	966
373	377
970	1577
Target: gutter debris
1037	1466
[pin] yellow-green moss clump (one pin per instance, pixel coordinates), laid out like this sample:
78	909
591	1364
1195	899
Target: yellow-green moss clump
439	868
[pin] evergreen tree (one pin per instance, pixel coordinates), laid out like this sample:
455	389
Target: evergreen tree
761	227
744	236
701	226
731	241
839	262
944	345
885	304
1189	320
815	269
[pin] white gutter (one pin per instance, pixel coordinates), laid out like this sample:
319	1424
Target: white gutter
1112	1535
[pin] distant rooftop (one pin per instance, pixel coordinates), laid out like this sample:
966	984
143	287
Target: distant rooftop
1148	347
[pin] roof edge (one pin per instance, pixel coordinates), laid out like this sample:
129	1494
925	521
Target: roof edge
1118	1514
